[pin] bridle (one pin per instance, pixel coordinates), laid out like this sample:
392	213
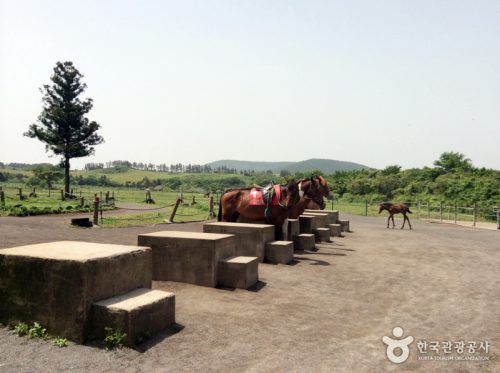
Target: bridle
317	199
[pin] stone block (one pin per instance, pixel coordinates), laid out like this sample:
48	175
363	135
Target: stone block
335	230
304	241
279	252
250	238
307	223
293	229
139	313
322	219
240	272
322	234
344	225
56	283
333	214
190	257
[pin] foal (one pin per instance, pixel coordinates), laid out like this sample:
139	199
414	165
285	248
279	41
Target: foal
395	209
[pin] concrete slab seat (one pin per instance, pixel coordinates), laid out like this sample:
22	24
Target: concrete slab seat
238	272
250	239
139	313
56	283
333	214
190	257
279	252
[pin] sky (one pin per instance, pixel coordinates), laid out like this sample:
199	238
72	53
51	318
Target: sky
373	82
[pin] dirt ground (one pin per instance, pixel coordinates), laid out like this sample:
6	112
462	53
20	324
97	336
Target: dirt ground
326	312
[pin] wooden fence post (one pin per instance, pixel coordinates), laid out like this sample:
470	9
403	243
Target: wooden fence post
20	193
107	197
177	203
82	201
366	207
62	195
2	198
96	210
428	209
418	210
211	211
441	211
456	212
498	217
474	215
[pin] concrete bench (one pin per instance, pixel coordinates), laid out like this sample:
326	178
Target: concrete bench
190	257
240	272
139	313
56	283
250	238
279	252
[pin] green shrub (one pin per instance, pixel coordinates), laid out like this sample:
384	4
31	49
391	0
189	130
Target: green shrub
37	331
113	339
21	329
61	342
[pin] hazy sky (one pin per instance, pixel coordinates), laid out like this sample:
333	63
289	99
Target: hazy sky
374	82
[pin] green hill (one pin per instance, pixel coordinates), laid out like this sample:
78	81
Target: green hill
327	166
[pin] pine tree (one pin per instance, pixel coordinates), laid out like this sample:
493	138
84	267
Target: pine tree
62	125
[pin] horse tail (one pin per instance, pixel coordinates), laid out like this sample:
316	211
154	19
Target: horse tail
408	210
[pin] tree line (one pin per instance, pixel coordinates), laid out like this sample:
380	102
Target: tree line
174	168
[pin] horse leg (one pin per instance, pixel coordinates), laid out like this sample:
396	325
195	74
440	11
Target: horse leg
388	219
404	220
393	225
278	233
407	218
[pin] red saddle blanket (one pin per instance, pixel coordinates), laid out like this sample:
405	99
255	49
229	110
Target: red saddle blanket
256	197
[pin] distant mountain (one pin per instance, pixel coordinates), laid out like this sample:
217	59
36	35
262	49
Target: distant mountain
327	166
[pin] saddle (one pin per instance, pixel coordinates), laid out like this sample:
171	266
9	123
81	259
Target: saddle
265	196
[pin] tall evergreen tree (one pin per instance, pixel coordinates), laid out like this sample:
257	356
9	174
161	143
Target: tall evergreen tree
62	125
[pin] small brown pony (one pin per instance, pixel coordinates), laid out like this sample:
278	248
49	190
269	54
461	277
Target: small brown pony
395	209
236	202
312	191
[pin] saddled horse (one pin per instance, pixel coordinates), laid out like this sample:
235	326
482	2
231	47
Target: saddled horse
392	208
312	192
236	203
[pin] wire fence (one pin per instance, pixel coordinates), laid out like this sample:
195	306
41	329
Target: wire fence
159	205
133	205
426	210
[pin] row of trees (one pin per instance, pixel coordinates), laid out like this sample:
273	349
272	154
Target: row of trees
174	168
453	178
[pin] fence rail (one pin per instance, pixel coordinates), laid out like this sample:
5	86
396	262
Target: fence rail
425	210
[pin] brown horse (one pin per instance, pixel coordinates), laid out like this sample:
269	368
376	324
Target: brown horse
235	203
395	209
312	192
